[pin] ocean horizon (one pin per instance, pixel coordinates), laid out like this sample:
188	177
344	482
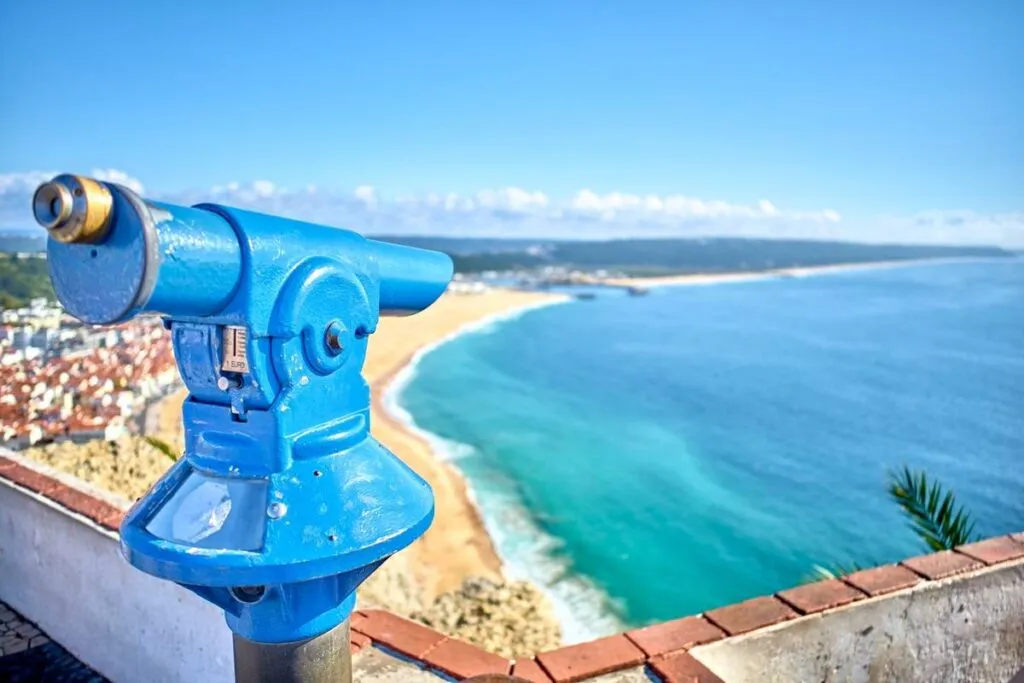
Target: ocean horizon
643	458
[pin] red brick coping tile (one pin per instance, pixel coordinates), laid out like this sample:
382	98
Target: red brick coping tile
942	564
820	596
750	615
679	634
662	648
529	670
683	668
98	511
587	660
882	580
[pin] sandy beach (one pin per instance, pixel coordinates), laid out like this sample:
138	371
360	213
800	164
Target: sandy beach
457	546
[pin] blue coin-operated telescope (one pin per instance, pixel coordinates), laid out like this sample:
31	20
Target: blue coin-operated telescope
282	503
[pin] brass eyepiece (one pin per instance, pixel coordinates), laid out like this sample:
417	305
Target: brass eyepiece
73	209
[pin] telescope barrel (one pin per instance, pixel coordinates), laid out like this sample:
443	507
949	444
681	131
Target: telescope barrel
114	255
410	279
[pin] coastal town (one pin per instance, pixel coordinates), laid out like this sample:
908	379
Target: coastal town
68	381
65	381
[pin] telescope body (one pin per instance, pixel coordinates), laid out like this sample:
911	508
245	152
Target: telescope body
282	503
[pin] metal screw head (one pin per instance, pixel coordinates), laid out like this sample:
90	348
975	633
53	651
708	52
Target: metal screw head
332	338
223	383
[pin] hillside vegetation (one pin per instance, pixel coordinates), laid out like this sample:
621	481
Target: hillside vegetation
22	279
678	256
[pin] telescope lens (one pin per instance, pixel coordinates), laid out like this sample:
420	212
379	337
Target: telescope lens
52	204
73	209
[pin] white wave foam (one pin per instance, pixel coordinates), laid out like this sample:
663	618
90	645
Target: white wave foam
484	325
526	551
583	609
391	398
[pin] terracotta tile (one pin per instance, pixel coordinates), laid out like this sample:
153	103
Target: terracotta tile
820	595
6	464
30	479
529	670
750	615
882	580
994	550
601	656
941	564
358	641
462	660
679	634
72	499
401	635
683	668
104	514
356	620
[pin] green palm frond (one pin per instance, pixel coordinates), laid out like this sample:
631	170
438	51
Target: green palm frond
821	572
934	514
162	446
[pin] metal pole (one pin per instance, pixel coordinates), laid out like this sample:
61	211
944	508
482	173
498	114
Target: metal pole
323	659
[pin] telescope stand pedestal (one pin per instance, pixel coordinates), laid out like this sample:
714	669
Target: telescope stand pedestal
323	659
281	484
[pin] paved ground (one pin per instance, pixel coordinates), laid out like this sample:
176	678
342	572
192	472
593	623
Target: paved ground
27	655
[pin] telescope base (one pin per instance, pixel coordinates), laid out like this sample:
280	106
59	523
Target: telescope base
322	659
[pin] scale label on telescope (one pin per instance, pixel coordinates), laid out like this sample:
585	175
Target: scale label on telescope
235	358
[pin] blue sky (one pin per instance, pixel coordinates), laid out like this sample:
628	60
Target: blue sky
895	121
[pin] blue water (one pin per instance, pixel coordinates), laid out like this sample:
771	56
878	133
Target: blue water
645	458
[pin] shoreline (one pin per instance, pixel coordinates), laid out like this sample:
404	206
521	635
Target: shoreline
580	608
438	562
457	546
694	279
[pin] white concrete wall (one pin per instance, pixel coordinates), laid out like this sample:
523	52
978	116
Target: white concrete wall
68	575
967	628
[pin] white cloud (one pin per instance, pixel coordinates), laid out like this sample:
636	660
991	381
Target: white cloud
16	191
517	199
112	175
263	188
19	184
509	199
957	227
15	184
618	205
366	194
245	193
516	211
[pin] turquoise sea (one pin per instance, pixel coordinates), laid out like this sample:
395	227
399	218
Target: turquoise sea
643	458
